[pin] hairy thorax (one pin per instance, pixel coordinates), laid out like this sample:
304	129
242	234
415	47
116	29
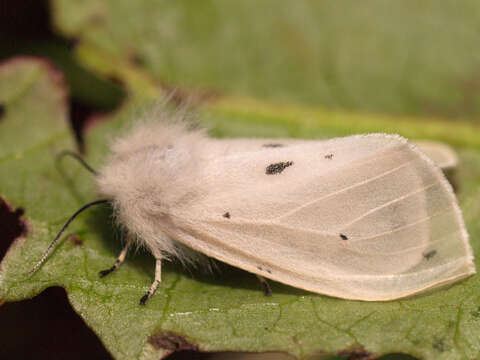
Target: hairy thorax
148	181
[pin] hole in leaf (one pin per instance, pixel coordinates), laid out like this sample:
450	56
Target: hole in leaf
12	225
46	327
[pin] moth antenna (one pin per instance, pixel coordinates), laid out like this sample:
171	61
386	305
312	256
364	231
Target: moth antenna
78	158
52	244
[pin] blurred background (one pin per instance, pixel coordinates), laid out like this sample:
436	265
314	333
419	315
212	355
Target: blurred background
408	58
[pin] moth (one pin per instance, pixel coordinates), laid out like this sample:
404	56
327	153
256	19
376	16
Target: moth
365	217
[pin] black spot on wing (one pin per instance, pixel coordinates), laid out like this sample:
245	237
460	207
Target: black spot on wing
343	237
2	110
329	156
226	215
273	145
277	168
430	254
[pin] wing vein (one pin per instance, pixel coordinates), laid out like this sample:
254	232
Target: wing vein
293	211
408	249
401	227
387	204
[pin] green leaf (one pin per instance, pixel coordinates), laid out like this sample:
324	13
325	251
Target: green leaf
402	57
212	312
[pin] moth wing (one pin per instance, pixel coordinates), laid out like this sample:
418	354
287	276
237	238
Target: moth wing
374	221
440	153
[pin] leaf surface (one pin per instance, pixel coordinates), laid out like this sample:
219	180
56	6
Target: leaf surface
210	312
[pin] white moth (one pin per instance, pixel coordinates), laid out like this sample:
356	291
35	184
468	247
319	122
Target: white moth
366	217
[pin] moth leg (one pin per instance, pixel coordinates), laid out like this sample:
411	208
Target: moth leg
153	287
118	262
266	287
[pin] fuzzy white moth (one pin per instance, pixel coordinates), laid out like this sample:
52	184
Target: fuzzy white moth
366	217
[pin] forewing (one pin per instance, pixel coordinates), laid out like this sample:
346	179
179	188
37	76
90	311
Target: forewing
440	153
364	217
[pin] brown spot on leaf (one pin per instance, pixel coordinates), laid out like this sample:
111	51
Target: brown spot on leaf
75	240
356	354
2	110
11	224
171	341
194	355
